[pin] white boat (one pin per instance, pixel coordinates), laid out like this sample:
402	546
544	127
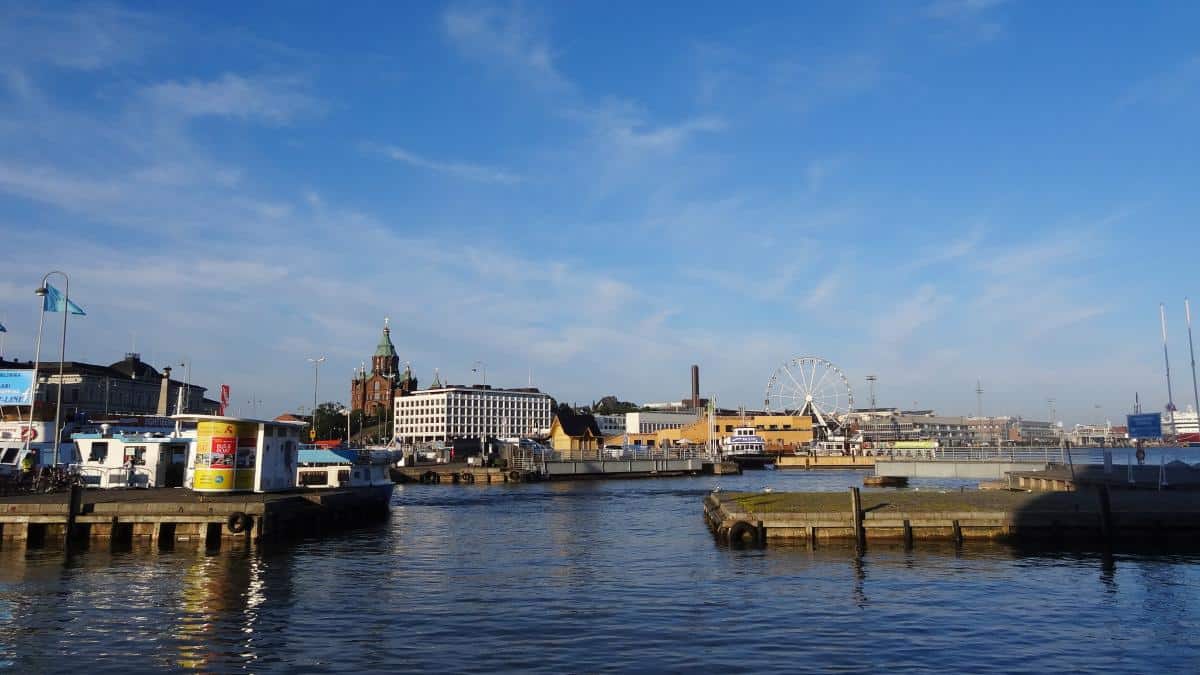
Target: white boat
319	467
744	441
132	460
40	438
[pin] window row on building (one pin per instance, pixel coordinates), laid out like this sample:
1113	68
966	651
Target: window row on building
452	413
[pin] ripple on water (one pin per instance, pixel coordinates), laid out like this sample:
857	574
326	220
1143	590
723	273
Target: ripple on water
587	577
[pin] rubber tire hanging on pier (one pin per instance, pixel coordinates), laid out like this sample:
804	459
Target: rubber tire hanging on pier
238	522
744	534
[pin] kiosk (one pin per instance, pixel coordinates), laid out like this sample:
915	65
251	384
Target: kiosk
236	454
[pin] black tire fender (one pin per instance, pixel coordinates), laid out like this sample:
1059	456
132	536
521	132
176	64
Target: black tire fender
743	533
238	522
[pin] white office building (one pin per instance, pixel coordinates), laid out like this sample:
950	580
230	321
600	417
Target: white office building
611	425
447	413
650	422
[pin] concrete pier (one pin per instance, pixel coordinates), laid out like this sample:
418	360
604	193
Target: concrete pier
463	474
623	468
458	474
809	462
1176	476
170	517
974	469
1131	518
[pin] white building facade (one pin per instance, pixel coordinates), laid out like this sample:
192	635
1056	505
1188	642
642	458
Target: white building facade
611	425
650	422
449	413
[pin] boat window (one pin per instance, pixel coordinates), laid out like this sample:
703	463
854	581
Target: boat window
136	454
98	453
10	456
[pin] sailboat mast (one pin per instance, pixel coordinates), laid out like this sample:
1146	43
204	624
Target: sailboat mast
1187	308
1162	315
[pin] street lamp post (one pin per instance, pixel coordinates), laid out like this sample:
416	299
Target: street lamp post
187	384
316	383
347	411
41	292
107	392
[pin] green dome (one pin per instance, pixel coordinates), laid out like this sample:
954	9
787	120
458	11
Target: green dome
385	347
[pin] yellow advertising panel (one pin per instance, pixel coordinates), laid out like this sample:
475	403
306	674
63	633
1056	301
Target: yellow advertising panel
909	445
225	456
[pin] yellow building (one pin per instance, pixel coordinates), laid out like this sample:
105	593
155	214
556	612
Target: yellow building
575	435
781	433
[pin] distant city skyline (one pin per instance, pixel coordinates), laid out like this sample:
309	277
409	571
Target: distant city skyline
934	193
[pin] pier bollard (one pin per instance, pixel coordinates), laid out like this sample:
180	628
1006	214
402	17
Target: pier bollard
1106	525
856	515
73	508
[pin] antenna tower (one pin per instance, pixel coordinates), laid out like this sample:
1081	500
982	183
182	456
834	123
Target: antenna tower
979	399
871	379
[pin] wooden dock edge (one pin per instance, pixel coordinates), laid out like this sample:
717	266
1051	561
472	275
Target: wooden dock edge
208	525
724	518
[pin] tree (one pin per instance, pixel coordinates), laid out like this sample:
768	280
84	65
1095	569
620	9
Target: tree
329	420
610	405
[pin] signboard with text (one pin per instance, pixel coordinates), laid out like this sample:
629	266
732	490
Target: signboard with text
16	387
1148	425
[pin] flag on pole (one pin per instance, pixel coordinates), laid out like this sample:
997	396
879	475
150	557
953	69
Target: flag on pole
3	329
57	302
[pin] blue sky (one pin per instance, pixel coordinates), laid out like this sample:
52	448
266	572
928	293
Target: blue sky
606	193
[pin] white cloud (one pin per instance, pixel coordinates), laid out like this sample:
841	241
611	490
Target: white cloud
274	100
512	38
898	323
969	20
1173	85
946	9
88	36
49	185
475	172
504	35
947	251
823	291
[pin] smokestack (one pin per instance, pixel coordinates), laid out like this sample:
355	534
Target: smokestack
164	390
695	387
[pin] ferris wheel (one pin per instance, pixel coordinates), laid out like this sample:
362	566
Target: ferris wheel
809	385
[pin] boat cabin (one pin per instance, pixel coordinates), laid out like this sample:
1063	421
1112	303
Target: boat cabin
40	437
342	467
744	441
121	460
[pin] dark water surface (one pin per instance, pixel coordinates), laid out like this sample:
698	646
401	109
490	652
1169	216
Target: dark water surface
584	577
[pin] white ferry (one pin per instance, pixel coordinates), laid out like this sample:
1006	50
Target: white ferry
322	467
40	438
744	441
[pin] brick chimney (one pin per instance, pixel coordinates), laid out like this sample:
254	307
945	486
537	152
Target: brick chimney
695	387
164	392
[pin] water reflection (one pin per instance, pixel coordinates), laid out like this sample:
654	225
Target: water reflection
586	577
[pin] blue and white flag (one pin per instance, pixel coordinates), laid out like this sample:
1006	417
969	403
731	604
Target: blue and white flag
3	329
57	302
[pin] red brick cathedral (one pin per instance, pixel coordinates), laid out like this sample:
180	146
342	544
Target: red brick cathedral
373	393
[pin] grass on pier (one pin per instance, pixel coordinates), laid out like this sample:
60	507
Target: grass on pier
922	501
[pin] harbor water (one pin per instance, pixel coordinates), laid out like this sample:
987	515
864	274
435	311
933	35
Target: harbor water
594	576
